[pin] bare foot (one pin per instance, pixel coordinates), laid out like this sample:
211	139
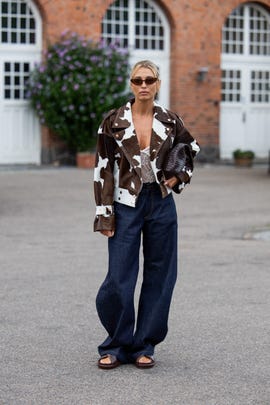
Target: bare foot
106	360
144	360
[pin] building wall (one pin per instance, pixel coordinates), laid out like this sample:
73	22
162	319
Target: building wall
195	42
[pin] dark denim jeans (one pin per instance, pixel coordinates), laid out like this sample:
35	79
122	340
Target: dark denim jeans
155	219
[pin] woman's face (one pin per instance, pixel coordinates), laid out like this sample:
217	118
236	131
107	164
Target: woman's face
144	91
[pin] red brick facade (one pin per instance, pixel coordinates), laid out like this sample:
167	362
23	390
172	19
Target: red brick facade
195	41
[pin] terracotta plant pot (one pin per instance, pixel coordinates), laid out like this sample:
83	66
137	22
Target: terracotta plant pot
243	162
85	160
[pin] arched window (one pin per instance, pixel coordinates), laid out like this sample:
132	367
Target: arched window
135	24
247	31
142	28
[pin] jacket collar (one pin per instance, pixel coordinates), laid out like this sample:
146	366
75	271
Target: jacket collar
123	118
125	135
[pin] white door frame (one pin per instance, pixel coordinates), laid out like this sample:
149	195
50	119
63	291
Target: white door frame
20	137
244	123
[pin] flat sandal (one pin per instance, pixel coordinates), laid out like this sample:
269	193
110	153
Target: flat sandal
140	364
114	362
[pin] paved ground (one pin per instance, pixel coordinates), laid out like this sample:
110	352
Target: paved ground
51	264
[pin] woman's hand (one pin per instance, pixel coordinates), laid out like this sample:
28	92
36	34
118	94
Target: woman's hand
109	234
171	182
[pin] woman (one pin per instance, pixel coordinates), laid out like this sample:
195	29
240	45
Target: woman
134	198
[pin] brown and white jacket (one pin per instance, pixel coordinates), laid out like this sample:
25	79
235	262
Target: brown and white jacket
117	174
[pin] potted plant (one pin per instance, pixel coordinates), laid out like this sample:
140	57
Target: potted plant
243	158
77	82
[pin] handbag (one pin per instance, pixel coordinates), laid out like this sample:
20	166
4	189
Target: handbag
178	158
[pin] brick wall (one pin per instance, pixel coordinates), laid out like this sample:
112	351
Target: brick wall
195	42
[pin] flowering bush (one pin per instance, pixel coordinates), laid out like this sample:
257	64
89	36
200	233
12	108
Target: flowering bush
78	82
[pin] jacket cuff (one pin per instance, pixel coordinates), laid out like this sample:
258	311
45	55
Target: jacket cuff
104	223
179	187
184	178
105	210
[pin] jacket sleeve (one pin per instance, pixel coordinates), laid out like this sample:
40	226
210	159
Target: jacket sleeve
183	136
104	180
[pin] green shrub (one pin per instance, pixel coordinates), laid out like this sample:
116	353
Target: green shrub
247	154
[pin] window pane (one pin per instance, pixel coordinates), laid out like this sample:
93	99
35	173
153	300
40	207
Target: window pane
14	8
7	67
32	37
7	80
17	18
4	7
14	37
4	22
15	76
260	86
231	86
7	94
4	37
13	22
23	8
23	22
32	24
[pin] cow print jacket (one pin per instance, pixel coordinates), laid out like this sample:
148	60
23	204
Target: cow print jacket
117	174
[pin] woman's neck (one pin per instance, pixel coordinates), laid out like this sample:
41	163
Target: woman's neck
142	108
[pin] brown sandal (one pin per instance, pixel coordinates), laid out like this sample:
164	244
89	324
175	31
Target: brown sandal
114	362
149	364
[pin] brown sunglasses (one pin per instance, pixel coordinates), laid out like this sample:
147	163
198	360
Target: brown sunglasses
138	81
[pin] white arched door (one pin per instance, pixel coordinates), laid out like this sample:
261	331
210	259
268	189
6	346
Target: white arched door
142	27
20	48
245	63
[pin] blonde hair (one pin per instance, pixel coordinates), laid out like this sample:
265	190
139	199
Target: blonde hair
145	64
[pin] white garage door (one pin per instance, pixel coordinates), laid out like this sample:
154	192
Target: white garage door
245	106
142	27
20	48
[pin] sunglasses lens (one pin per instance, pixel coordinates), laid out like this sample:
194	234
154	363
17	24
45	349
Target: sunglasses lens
150	80
137	81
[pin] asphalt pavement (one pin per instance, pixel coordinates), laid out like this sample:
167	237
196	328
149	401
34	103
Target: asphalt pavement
217	351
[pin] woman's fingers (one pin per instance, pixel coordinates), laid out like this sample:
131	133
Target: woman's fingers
171	182
109	234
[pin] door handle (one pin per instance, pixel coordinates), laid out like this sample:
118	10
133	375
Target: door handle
243	117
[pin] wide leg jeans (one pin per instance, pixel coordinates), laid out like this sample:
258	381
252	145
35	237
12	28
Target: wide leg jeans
155	219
